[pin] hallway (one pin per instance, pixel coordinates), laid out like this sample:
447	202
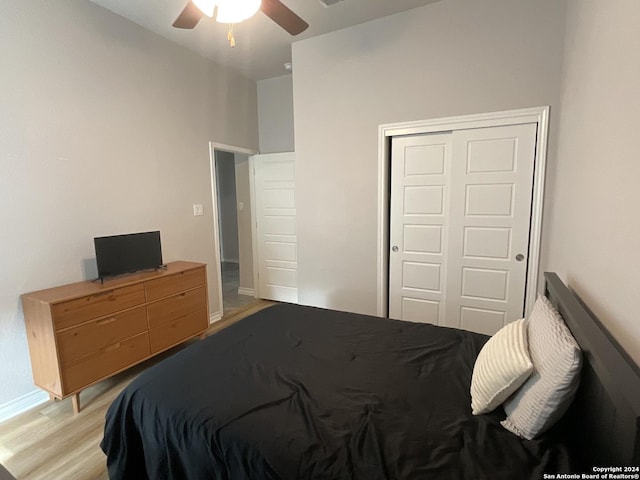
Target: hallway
230	283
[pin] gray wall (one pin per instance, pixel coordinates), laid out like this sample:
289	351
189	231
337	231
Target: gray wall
275	114
104	129
227	208
593	225
243	192
450	58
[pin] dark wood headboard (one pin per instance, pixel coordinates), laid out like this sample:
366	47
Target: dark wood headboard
605	415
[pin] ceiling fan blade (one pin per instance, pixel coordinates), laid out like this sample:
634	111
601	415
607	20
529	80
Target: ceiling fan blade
189	17
283	16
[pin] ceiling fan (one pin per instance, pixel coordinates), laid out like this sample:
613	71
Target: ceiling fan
235	11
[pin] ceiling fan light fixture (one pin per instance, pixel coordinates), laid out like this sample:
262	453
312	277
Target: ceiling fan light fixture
235	11
205	6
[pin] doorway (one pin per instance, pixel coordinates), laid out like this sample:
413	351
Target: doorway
233	210
465	220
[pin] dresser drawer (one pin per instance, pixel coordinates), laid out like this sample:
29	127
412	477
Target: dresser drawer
105	362
173	308
176	331
178	282
75	312
91	337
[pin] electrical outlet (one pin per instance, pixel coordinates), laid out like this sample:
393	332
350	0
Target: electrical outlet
198	210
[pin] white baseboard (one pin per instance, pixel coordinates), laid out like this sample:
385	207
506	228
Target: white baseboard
246	291
22	404
214	317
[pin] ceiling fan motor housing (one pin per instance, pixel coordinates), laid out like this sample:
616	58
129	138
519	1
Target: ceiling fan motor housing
274	9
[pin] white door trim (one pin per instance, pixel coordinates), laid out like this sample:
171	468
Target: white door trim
538	115
213	146
254	226
233	149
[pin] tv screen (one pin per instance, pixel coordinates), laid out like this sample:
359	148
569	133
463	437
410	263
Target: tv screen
129	253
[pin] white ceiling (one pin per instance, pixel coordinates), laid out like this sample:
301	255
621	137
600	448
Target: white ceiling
262	47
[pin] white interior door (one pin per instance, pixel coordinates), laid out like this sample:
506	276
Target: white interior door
489	229
421	177
275	207
481	203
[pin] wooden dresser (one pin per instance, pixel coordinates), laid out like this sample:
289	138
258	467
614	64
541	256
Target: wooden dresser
84	332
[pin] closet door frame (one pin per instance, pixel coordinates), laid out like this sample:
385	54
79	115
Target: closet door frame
538	115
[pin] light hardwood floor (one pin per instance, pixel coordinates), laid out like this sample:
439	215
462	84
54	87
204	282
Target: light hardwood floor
50	442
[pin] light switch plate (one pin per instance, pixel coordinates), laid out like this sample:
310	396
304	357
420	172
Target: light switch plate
197	210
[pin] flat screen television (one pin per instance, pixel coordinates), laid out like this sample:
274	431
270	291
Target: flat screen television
119	254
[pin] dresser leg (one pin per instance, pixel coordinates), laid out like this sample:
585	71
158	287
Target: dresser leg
203	336
52	397
75	399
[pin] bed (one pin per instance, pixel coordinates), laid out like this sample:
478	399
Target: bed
296	392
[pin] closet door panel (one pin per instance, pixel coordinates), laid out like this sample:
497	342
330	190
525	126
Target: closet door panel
460	217
421	171
490	218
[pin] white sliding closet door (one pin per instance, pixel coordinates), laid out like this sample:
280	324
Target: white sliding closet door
275	207
478	206
419	220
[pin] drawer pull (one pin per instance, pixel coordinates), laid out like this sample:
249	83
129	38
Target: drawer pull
101	294
106	321
110	348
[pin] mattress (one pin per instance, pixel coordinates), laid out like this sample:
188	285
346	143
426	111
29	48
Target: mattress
295	392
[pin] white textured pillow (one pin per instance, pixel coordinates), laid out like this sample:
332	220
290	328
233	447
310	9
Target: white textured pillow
502	366
548	392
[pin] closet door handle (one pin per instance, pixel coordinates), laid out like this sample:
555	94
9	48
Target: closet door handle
394	249
519	257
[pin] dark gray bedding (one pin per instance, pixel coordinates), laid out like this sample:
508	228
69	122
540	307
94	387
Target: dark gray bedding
296	392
